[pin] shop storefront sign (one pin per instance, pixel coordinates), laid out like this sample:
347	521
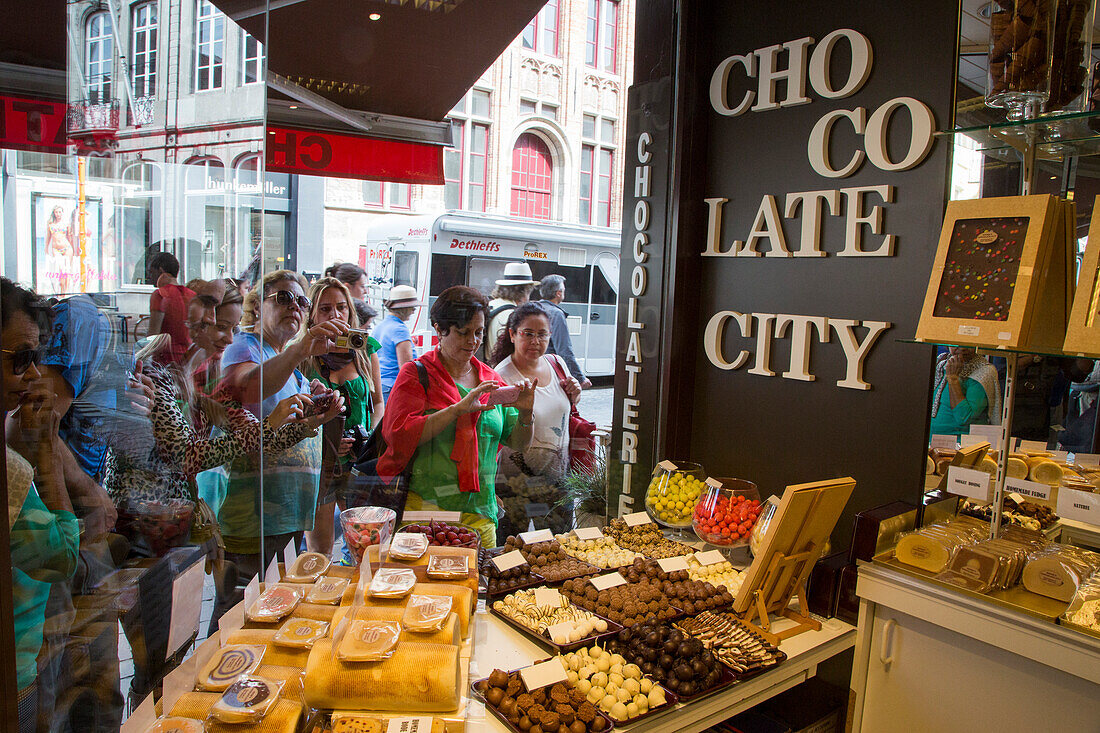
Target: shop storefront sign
32	124
319	153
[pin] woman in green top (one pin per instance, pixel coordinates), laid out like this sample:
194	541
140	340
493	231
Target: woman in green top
448	434
44	533
348	372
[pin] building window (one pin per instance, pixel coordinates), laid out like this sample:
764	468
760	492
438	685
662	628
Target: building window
386	195
528	107
205	175
466	165
99	53
597	163
252	53
541	34
144	50
601	34
210	51
532	176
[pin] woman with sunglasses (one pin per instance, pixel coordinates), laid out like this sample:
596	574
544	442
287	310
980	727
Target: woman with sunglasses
347	371
531	476
261	369
44	532
448	435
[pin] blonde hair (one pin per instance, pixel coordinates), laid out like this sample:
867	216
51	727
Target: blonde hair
250	309
278	276
313	363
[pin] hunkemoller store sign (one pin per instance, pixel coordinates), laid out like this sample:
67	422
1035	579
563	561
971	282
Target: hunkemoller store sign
808	199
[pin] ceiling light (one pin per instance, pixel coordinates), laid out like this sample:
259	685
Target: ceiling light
375	16
294	106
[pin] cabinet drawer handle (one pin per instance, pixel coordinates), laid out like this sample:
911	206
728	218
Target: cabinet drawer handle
885	654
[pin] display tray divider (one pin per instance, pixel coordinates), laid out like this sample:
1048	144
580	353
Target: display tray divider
784	568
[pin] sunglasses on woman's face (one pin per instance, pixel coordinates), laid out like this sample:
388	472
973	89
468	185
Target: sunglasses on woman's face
21	360
286	298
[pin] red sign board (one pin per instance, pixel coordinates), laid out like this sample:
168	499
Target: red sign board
318	153
32	124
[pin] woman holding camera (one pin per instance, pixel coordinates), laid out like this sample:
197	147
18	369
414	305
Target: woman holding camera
448	435
347	371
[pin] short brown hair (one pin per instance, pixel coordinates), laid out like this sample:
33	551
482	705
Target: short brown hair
456	306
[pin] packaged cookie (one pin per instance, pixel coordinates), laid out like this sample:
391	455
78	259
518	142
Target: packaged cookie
327	591
441	567
307	568
176	725
275	603
300	632
368	641
426	613
247	700
392	583
229	663
367	723
408	546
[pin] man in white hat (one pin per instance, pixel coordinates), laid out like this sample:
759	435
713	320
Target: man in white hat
511	290
393	334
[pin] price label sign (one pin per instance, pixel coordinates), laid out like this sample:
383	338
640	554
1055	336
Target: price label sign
713	483
635	519
969	483
949	442
667	465
992	433
409	725
438	515
537	535
1028	489
1032	445
509	560
1060	456
610	580
587	533
1081	506
1086	459
548	597
710	557
543	674
672	564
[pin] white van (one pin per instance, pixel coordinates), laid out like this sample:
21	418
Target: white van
432	253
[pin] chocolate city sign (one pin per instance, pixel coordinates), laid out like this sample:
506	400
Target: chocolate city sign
790	225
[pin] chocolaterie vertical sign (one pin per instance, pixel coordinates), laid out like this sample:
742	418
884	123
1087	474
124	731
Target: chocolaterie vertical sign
807	200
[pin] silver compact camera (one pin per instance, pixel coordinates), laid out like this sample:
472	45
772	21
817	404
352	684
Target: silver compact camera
354	339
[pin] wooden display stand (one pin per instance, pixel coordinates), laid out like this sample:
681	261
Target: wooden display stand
792	544
1083	332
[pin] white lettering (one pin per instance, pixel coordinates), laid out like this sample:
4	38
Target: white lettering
629	453
858	73
719	85
641	239
856	351
713	338
817	146
641	215
853	233
766	226
641	181
634	348
810	201
638	280
763	344
794	75
920	140
632	314
630	413
800	342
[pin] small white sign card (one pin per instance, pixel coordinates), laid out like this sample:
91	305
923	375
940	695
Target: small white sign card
537	535
992	433
409	725
271	575
1086	459
1032	445
1060	456
588	533
949	442
548	597
672	564
232	620
509	560
1080	506
667	465
142	718
710	557
713	483
610	580
186	607
543	674
969	482
290	554
438	515
252	591
1028	489
635	519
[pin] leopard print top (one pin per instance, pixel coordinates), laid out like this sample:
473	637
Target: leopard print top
156	459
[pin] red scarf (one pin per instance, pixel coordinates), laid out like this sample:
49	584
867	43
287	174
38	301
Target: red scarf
403	422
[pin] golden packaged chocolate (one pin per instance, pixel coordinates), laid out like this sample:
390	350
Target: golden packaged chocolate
246	700
368	641
274	604
408	546
300	632
441	567
176	725
451	633
426	613
307	568
391	583
327	590
229	663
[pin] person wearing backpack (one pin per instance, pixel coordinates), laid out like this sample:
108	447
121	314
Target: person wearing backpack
511	290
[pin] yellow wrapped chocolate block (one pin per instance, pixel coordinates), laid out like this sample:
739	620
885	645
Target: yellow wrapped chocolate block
230	662
307	568
418	677
422	576
469	552
280	656
462	600
283	717
300	633
176	725
1057	571
1017	468
315	611
364	723
327	591
449	634
1044	471
247	700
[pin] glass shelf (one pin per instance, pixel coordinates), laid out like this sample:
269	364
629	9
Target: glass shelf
1053	136
996	350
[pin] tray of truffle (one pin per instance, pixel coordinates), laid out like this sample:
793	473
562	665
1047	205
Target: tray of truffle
624	604
549	618
743	651
557	708
618	687
508	571
646	539
681	664
691	596
549	560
